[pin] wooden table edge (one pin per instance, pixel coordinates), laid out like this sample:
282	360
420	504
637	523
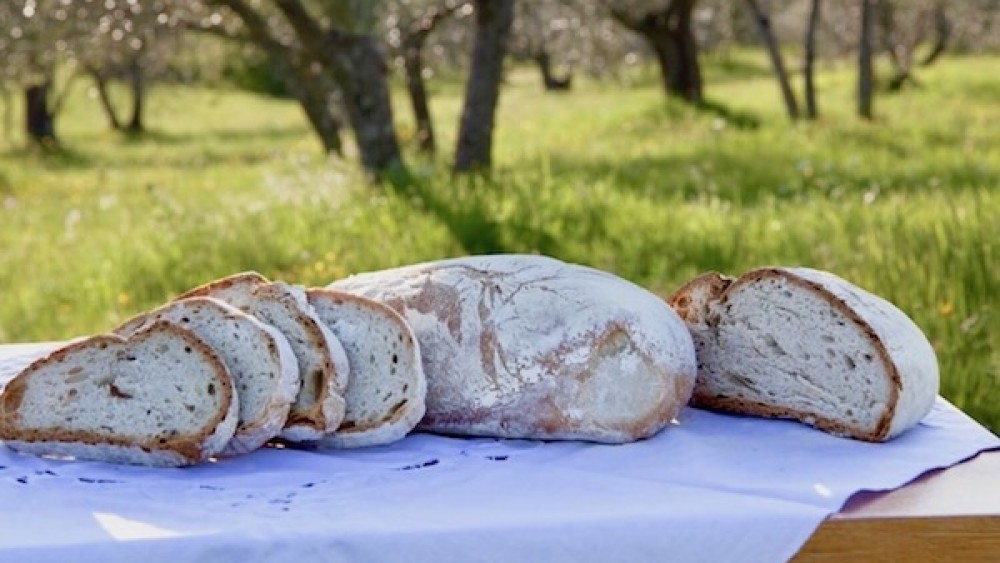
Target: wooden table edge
948	514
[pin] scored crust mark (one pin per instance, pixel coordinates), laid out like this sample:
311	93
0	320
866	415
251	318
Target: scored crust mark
441	300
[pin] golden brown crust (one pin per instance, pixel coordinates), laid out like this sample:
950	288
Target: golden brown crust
225	283
683	300
753	408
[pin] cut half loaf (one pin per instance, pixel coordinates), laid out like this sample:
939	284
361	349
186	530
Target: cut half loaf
805	344
522	346
386	393
323	367
259	358
162	397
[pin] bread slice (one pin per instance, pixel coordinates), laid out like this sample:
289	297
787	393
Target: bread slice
386	393
162	397
259	358
323	367
805	344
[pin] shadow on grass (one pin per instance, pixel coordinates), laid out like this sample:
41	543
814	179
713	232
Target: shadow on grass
743	120
225	135
467	211
204	149
58	156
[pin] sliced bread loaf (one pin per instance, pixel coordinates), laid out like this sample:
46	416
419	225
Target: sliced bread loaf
386	393
523	346
323	367
259	358
162	397
805	344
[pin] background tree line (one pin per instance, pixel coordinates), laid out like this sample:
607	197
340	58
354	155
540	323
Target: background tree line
337	58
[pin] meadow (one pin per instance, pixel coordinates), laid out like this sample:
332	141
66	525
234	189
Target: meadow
610	175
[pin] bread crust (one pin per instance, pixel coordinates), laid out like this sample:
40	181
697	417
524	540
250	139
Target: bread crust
526	346
172	451
228	282
691	299
703	318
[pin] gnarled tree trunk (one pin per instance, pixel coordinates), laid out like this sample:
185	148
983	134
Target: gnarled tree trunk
494	19
303	77
314	92
366	99
356	63
671	36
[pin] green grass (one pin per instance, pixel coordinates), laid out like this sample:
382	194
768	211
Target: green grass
615	177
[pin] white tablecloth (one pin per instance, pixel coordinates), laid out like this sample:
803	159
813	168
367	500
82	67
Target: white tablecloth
712	488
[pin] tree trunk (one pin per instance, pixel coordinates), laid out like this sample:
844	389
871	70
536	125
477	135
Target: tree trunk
413	62
299	74
809	64
670	35
138	89
8	111
39	117
494	19
357	65
101	84
313	91
549	81
366	99
900	53
942	32
763	21
866	76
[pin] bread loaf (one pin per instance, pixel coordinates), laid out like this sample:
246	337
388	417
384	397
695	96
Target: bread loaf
805	344
531	347
162	397
259	358
323	367
386	392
